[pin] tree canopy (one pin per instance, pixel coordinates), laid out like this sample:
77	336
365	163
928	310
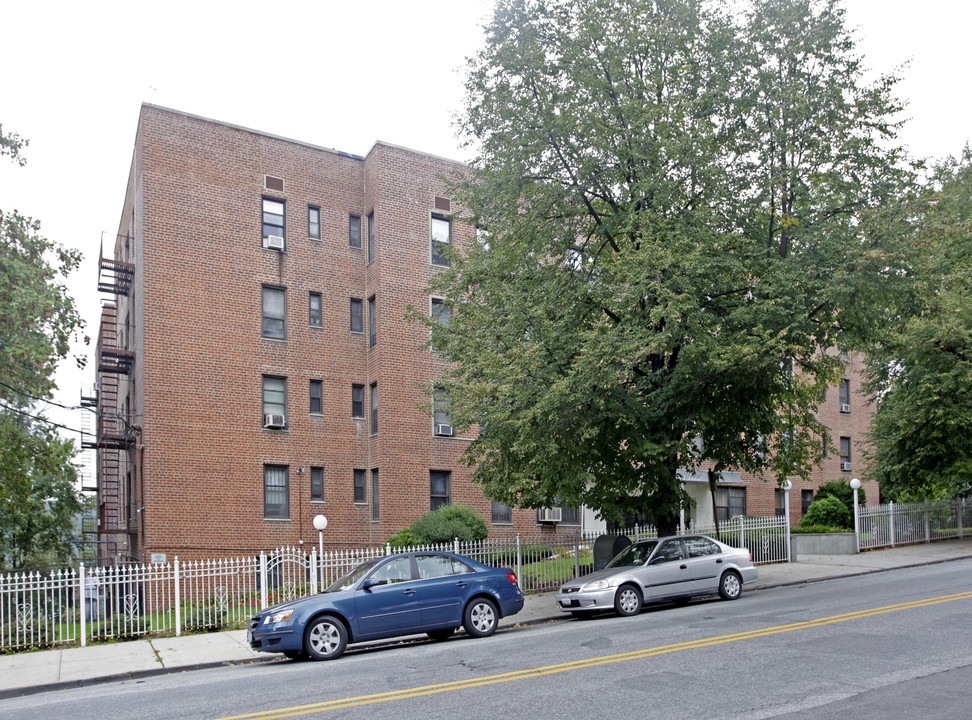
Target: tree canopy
38	319
679	214
922	369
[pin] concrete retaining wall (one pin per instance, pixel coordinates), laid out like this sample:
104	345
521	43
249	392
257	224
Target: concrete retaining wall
821	544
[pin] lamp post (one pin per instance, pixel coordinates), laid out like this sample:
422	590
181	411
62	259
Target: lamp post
320	522
855	484
787	485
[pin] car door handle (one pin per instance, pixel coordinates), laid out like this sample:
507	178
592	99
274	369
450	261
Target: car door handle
409	591
461	584
719	561
683	567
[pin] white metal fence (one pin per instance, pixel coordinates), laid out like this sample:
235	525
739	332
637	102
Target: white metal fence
77	605
904	523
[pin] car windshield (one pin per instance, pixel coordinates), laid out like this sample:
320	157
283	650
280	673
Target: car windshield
352	578
636	554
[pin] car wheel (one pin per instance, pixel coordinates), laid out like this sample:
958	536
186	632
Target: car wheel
325	638
627	601
438	635
730	586
479	618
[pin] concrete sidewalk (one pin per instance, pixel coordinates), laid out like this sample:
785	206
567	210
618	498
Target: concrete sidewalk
31	672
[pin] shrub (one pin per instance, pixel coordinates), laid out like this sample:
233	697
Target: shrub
842	491
403	538
818	529
829	511
448	522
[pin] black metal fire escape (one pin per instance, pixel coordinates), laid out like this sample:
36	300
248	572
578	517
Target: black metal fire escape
114	434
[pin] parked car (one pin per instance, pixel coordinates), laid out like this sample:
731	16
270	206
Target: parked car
669	568
418	592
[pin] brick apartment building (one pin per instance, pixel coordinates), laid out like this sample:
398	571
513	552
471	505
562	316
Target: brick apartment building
255	365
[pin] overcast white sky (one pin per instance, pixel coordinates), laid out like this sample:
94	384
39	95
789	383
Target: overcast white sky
339	75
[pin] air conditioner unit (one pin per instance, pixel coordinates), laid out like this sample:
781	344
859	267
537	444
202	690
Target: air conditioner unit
549	515
274	421
845	408
845	466
444	430
274	242
96	387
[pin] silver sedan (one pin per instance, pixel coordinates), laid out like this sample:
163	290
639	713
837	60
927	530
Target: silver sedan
669	568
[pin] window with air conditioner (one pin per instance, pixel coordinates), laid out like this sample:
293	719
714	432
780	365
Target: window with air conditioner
274	212
845	454
442	421
274	402
844	395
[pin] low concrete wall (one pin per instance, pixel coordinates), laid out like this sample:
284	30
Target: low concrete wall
821	544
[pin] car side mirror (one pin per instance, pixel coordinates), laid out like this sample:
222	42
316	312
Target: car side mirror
370	583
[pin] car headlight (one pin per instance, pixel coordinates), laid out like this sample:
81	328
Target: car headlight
278	616
595	585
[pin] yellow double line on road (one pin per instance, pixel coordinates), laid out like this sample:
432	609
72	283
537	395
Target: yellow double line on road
591	662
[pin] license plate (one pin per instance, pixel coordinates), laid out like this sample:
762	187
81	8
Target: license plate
249	636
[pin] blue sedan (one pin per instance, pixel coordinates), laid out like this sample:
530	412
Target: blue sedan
404	594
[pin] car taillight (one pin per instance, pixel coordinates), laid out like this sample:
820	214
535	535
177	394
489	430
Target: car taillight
511	577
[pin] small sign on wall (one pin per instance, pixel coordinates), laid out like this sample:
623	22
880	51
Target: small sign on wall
158	558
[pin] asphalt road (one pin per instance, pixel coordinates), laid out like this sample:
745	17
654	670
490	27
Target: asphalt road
890	645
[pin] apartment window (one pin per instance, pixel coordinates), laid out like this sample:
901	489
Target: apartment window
354	231
844	393
276	492
806	497
372	329
359	487
317	397
730	502
274	396
441	312
569	515
502	514
273	219
317	484
357	319
314	309
441	420
371	236
313	222
845	454
375	506
440	488
780	503
441	240
374	408
357	401
274	312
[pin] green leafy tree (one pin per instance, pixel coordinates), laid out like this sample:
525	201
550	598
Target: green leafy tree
37	322
680	213
922	371
37	493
